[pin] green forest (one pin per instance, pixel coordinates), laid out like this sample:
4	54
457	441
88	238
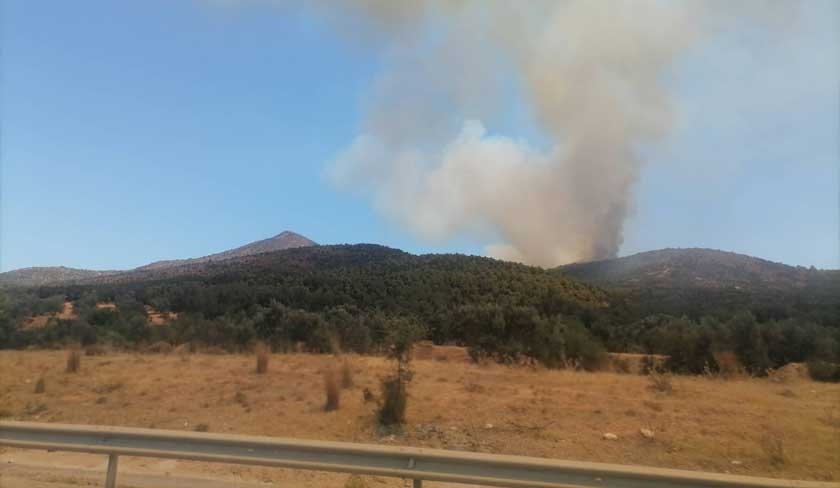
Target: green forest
353	295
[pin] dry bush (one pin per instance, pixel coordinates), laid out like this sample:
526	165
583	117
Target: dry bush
772	442
621	365
661	383
262	358
394	400
241	399
201	428
332	390
74	360
367	396
40	386
346	375
728	364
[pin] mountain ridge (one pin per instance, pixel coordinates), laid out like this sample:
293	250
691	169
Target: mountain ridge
284	240
692	267
46	275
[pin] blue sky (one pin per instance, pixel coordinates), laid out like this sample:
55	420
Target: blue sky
138	131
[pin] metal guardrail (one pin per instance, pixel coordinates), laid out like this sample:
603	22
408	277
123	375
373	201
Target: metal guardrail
413	463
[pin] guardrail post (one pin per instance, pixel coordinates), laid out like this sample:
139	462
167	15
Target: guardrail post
418	484
111	475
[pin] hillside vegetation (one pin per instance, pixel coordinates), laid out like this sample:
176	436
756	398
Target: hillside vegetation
352	296
44	275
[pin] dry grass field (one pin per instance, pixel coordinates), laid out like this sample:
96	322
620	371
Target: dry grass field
785	426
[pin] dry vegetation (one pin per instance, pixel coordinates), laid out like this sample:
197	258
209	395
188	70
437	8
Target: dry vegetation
785	426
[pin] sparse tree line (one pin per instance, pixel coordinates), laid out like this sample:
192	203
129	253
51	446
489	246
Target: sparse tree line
500	311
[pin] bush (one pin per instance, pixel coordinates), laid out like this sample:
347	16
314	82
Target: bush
40	386
661	383
262	358
621	365
332	390
394	400
346	375
820	370
74	360
772	443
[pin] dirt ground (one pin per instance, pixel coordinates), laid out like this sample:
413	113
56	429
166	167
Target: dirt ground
786	426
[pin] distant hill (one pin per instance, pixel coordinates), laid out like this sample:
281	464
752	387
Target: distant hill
284	240
694	281
364	277
692	267
56	274
48	274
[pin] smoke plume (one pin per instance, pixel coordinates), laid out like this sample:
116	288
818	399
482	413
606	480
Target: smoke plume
592	74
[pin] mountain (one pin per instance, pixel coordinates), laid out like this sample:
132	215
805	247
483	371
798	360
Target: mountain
283	240
693	267
365	278
42	275
39	276
706	281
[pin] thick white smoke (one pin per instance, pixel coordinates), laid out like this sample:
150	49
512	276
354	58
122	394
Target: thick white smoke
592	73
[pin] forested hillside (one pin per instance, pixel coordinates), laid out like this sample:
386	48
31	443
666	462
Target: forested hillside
705	282
353	295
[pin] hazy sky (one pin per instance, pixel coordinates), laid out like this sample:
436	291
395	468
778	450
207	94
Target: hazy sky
138	131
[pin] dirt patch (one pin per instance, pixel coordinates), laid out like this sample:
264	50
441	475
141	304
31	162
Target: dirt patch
157	317
67	312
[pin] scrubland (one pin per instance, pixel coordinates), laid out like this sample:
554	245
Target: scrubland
782	426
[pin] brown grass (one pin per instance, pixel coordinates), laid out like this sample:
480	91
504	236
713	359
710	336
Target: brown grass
332	390
262	358
704	424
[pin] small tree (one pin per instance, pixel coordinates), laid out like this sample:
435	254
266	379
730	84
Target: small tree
74	359
404	333
332	390
262	358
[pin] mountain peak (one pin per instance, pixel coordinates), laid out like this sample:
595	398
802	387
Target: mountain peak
284	240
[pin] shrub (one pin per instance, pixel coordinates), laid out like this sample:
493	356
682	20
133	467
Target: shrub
394	388
201	428
394	400
621	365
661	383
346	375
772	442
262	358
74	360
241	399
40	386
820	370
332	390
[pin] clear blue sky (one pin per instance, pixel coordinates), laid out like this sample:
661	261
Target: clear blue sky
138	131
